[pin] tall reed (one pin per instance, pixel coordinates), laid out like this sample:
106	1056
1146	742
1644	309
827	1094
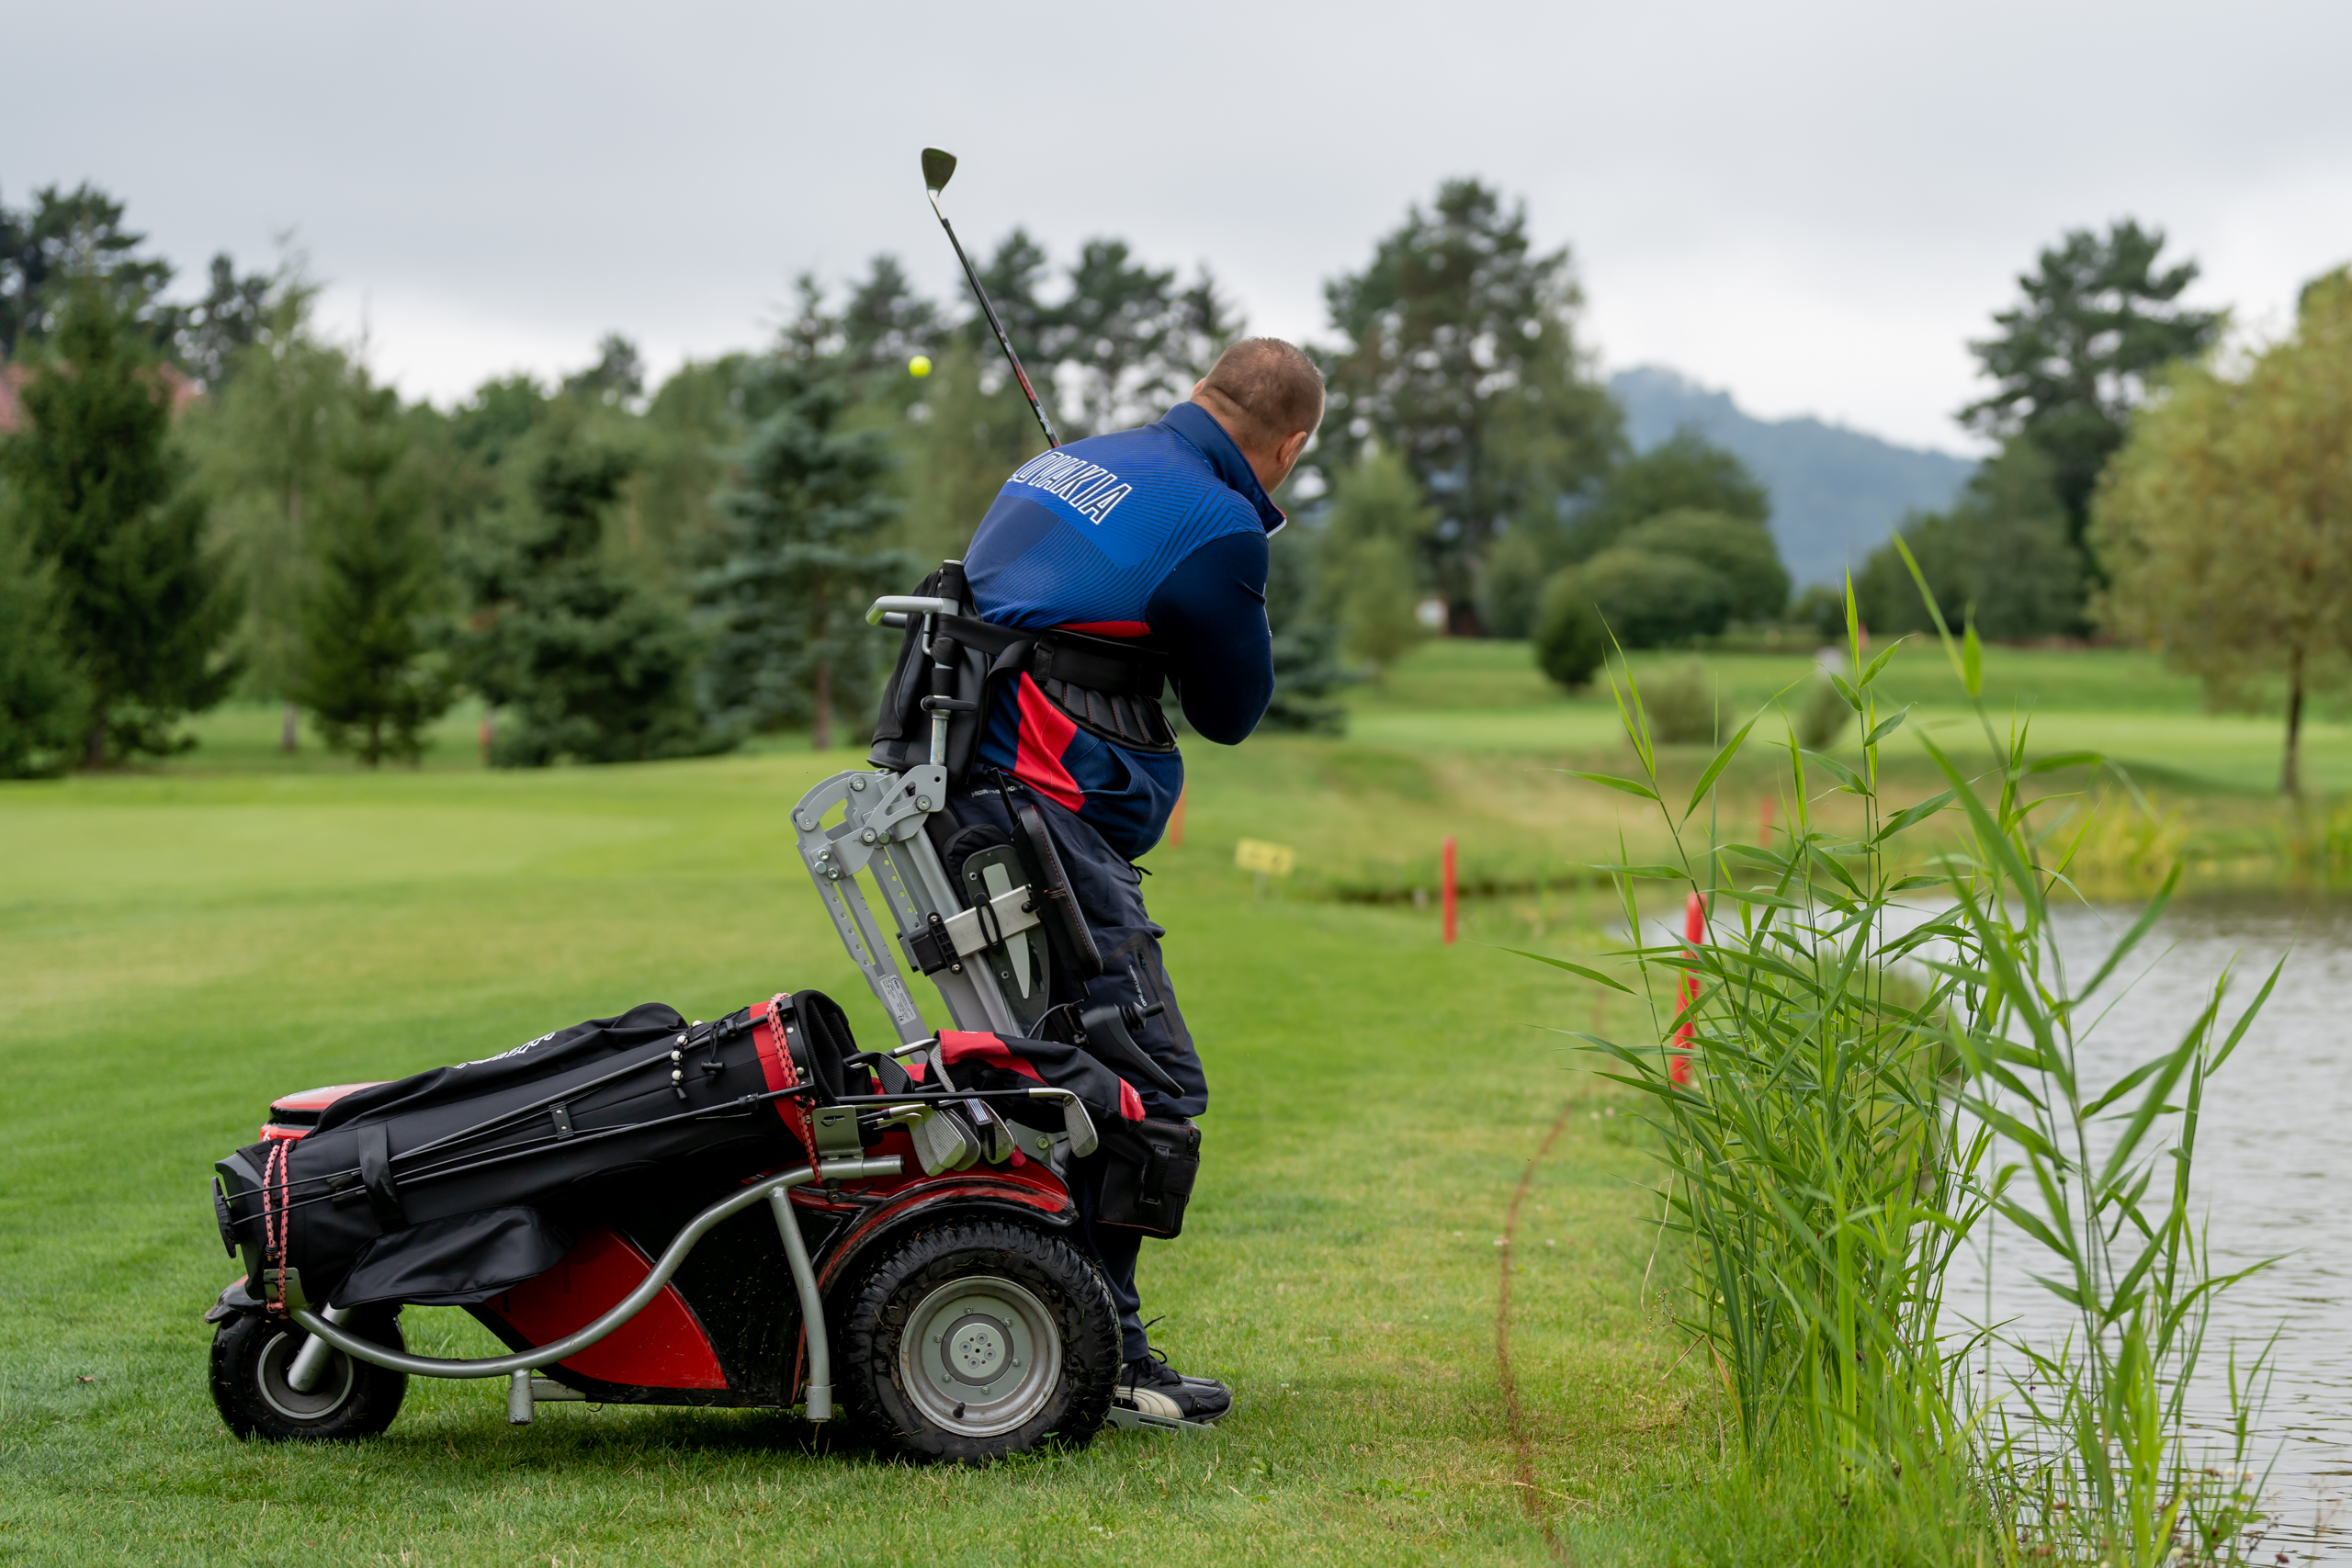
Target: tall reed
1881	1053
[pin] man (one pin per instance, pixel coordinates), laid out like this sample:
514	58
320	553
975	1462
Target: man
1158	534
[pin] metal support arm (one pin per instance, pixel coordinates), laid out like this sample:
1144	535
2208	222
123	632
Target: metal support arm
771	1189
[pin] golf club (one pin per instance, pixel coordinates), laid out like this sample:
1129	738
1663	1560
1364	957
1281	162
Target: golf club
938	168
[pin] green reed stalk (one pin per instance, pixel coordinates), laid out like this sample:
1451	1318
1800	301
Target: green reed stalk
1857	1058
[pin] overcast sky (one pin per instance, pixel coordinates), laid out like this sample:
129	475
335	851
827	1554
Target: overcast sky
1813	204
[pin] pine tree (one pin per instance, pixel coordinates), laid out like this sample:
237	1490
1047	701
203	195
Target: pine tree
804	550
369	676
105	500
585	661
43	698
1462	357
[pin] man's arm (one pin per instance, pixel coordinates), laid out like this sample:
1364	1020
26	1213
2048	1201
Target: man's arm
1210	613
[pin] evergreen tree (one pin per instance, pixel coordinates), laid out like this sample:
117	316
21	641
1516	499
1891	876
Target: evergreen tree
2076	356
371	678
104	499
1306	643
583	661
43	701
804	548
1461	355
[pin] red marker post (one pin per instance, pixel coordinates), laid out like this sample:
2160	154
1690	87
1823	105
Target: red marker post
1694	931
1446	889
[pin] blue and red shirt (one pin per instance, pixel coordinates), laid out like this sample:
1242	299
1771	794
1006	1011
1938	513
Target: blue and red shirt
1157	532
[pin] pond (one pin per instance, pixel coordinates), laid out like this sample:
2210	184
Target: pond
2274	1167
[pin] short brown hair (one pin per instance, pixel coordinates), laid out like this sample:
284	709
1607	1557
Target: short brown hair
1272	387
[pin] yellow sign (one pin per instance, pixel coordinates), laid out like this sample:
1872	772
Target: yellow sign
1265	859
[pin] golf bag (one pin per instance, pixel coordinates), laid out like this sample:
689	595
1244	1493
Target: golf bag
450	1186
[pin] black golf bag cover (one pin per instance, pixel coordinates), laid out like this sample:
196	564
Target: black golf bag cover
448	1187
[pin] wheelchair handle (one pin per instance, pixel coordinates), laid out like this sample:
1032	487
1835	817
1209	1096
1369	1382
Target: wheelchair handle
910	604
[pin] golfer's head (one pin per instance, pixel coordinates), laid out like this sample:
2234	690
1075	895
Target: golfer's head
1269	396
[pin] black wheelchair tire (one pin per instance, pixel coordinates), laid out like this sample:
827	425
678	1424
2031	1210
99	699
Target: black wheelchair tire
1040	1278
354	1400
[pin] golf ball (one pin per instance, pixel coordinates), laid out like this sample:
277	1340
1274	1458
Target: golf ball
920	366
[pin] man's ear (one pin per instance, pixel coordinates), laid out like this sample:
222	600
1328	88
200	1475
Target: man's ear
1294	443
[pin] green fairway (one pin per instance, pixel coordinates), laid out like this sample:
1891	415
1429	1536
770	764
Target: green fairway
186	942
184	948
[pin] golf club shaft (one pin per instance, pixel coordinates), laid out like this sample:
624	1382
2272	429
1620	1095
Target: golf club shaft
1003	342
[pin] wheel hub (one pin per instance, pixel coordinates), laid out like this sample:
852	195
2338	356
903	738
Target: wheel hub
325	1397
979	1356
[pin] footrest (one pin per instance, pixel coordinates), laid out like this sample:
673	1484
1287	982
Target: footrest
1132	1420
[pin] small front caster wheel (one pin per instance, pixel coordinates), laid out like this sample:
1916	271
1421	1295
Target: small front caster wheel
250	1359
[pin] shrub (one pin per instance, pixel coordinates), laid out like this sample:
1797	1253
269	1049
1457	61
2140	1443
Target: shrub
1652	601
1756	585
1823	717
1681	702
1570	641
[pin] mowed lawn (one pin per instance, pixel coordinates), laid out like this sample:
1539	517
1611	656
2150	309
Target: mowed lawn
181	946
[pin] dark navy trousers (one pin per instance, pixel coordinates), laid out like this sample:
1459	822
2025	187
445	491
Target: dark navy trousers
1109	891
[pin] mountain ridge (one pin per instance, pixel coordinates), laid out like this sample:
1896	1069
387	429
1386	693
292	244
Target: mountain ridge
1837	492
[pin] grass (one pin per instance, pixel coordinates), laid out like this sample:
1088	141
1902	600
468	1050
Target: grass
180	948
182	944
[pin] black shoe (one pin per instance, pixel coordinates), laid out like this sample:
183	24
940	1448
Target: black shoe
1149	1385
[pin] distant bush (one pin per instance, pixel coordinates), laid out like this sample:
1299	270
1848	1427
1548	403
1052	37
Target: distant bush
1570	641
1651	601
1741	552
1681	702
1821	609
1510	594
1823	717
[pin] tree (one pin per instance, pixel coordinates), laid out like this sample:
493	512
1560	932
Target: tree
1571	640
585	660
43	700
262	446
1754	584
1998	556
235	312
1654	601
617	379
2226	519
1374	534
63	237
1461	355
1305	644
1685	472
1510	590
960	441
803	535
369	676
105	503
2072	361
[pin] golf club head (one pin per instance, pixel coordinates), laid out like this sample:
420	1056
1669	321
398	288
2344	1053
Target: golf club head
938	168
